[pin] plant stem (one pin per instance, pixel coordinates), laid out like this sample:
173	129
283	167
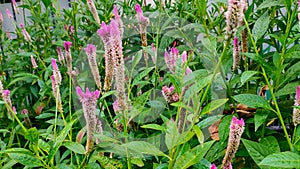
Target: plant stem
270	87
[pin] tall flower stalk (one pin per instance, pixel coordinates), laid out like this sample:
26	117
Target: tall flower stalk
93	125
296	111
56	81
143	23
236	54
60	55
15	6
67	46
90	51
119	21
119	67
235	134
25	33
33	62
93	10
104	34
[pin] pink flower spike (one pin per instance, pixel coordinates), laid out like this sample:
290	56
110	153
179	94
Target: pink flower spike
14	109
153	47
8	13
54	65
90	49
6	92
1	18
79	92
174	51
184	56
235	41
213	166
172	88
67	45
138	9
116	13
236	123
24	111
34	65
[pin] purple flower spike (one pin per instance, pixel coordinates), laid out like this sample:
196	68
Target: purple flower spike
6	92
298	93
87	95
116	13
174	51
90	49
22	25
138	9
184	56
235	123
235	41
24	111
54	64
8	13
67	45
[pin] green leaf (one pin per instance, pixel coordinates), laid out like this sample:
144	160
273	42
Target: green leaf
141	75
291	73
261	26
180	104
153	126
44	146
23	77
269	3
172	135
247	75
272	143
252	100
137	161
61	137
137	58
25	159
260	117
224	125
75	147
210	44
209	121
256	150
199	134
282	160
2	102
32	135
289	88
193	156
195	88
144	148
213	105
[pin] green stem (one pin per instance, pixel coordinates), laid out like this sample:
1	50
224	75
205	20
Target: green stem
15	117
271	89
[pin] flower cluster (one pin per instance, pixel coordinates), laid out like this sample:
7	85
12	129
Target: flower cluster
25	33
1	19
15	6
93	125
9	14
236	131
236	54
296	111
60	55
234	16
56	81
169	94
93	10
90	51
171	58
34	65
67	46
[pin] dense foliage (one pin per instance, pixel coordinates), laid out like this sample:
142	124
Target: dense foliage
196	84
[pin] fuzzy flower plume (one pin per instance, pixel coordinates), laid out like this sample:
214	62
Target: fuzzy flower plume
15	6
119	21
34	65
60	55
67	46
117	54
56	93
299	12
89	103
236	131
143	23
90	51
296	111
171	58
93	10
104	34
234	16
25	33
26	118
236	54
169	94
56	72
9	14
6	97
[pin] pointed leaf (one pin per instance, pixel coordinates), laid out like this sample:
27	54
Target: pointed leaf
75	147
247	75
282	160
213	105
252	100
144	148
260	117
272	143
25	159
261	26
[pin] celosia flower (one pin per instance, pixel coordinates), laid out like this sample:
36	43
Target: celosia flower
213	166
236	54
234	16
117	54
56	93
296	111
24	111
6	97
89	102
236	131
26	118
170	59
90	51
169	94
154	56
25	33
104	34
34	65
80	136
15	6
299	12
93	10
67	46
9	14
56	72
60	55
119	21
14	110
